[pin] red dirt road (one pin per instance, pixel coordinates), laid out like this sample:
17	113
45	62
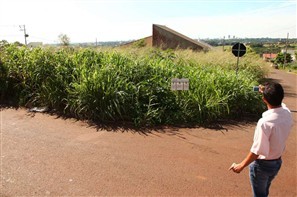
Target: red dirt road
43	155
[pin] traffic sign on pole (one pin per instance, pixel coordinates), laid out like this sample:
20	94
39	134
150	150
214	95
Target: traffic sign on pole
238	50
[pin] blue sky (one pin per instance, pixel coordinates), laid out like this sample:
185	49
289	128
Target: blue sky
110	20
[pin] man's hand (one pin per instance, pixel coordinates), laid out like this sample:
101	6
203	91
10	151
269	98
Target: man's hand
239	167
236	167
261	88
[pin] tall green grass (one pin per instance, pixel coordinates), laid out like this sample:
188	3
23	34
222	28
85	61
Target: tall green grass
131	85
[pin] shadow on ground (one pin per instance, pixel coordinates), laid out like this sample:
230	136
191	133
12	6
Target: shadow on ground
122	126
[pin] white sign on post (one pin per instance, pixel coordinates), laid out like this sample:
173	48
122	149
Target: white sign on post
179	84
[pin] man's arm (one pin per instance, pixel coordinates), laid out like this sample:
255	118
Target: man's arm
239	167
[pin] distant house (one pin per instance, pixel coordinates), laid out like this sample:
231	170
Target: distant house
166	38
35	44
269	56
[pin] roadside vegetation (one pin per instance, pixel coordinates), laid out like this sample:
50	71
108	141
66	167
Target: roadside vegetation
282	60
262	46
132	85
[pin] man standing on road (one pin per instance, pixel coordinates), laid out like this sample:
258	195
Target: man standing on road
270	137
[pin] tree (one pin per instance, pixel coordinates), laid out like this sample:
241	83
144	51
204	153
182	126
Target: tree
3	42
280	58
17	43
64	39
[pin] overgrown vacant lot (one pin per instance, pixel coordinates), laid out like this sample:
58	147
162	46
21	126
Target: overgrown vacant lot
132	85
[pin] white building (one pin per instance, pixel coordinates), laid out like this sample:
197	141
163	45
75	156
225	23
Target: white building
35	44
290	51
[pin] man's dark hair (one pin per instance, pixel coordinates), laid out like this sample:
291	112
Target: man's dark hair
273	93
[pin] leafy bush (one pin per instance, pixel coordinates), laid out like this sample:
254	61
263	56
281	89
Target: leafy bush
139	43
281	57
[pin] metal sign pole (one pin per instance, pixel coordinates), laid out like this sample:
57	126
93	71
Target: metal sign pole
237	66
237	60
238	51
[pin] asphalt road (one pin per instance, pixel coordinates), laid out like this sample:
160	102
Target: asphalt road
44	155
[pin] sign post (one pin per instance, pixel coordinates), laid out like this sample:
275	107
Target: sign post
238	50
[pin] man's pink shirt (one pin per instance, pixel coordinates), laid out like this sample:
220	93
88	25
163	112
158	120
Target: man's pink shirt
272	132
